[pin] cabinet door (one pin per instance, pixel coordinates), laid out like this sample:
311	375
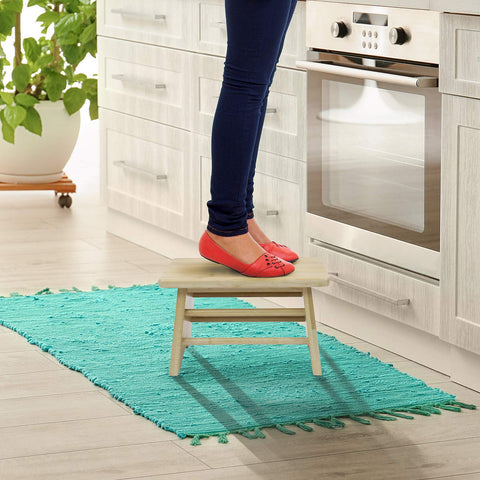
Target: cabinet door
210	31
284	131
158	22
146	171
278	197
392	294
460	223
145	80
460	55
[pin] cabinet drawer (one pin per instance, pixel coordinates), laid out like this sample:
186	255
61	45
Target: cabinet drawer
144	80
278	198
381	290
460	55
284	128
159	22
146	167
210	31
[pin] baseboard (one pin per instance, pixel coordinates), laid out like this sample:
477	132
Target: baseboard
465	368
149	236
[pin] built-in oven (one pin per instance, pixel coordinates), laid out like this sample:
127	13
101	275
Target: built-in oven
374	133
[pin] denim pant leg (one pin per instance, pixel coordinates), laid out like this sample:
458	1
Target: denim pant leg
249	198
255	30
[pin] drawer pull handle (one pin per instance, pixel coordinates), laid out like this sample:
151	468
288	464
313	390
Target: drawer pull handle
399	302
129	13
133	168
222	24
272	212
271	110
124	78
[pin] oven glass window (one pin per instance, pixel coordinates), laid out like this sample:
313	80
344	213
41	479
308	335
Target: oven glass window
373	152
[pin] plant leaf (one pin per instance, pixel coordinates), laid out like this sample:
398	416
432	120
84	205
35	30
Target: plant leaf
74	54
14	115
89	86
48	18
12	5
33	122
73	99
6	97
21	76
7	131
32	49
70	22
7	22
54	85
25	100
89	33
93	108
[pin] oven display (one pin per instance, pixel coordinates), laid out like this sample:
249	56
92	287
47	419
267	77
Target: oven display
370	19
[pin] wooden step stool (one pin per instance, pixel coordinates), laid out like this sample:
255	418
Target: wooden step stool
198	277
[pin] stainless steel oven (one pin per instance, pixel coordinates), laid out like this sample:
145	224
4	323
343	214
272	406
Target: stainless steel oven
373	133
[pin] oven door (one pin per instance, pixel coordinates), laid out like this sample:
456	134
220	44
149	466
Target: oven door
373	161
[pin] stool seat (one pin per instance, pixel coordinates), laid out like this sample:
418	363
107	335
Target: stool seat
199	272
198	277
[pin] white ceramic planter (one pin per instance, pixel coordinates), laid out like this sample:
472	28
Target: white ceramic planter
40	159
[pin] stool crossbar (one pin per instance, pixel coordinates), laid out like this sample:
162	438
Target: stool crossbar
197	277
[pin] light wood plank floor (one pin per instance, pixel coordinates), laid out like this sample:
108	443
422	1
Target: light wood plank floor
55	424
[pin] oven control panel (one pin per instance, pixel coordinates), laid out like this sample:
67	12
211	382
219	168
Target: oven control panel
402	33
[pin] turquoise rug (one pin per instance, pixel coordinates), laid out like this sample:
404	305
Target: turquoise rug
120	339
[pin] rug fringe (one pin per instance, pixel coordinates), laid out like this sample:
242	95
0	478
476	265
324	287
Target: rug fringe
333	422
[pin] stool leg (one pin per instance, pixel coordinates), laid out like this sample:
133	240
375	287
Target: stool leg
312	331
181	329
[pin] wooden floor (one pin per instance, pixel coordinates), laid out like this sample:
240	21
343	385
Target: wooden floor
55	424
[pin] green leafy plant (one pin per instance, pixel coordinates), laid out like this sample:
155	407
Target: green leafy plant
45	68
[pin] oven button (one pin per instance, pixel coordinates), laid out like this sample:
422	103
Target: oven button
363	33
375	34
364	44
369	33
398	36
369	45
339	29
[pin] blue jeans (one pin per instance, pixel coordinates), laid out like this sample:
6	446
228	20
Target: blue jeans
256	31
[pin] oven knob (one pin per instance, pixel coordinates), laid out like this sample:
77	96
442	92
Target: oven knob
398	36
339	29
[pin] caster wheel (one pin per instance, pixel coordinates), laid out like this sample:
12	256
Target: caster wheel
65	200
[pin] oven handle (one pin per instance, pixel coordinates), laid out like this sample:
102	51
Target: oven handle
367	74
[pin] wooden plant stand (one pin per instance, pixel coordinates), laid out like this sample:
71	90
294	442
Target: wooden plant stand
64	186
198	277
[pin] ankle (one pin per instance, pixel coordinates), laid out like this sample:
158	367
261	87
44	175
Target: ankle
256	232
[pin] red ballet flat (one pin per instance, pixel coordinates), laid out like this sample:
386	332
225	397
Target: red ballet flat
280	251
266	265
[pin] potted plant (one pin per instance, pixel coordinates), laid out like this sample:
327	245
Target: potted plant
44	93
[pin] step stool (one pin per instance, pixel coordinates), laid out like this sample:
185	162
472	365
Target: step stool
198	277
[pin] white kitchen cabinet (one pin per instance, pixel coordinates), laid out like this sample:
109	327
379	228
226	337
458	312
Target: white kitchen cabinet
160	72
145	80
157	22
146	170
277	197
210	31
284	127
460	55
460	237
395	295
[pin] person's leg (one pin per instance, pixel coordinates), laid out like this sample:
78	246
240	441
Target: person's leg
255	29
249	197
